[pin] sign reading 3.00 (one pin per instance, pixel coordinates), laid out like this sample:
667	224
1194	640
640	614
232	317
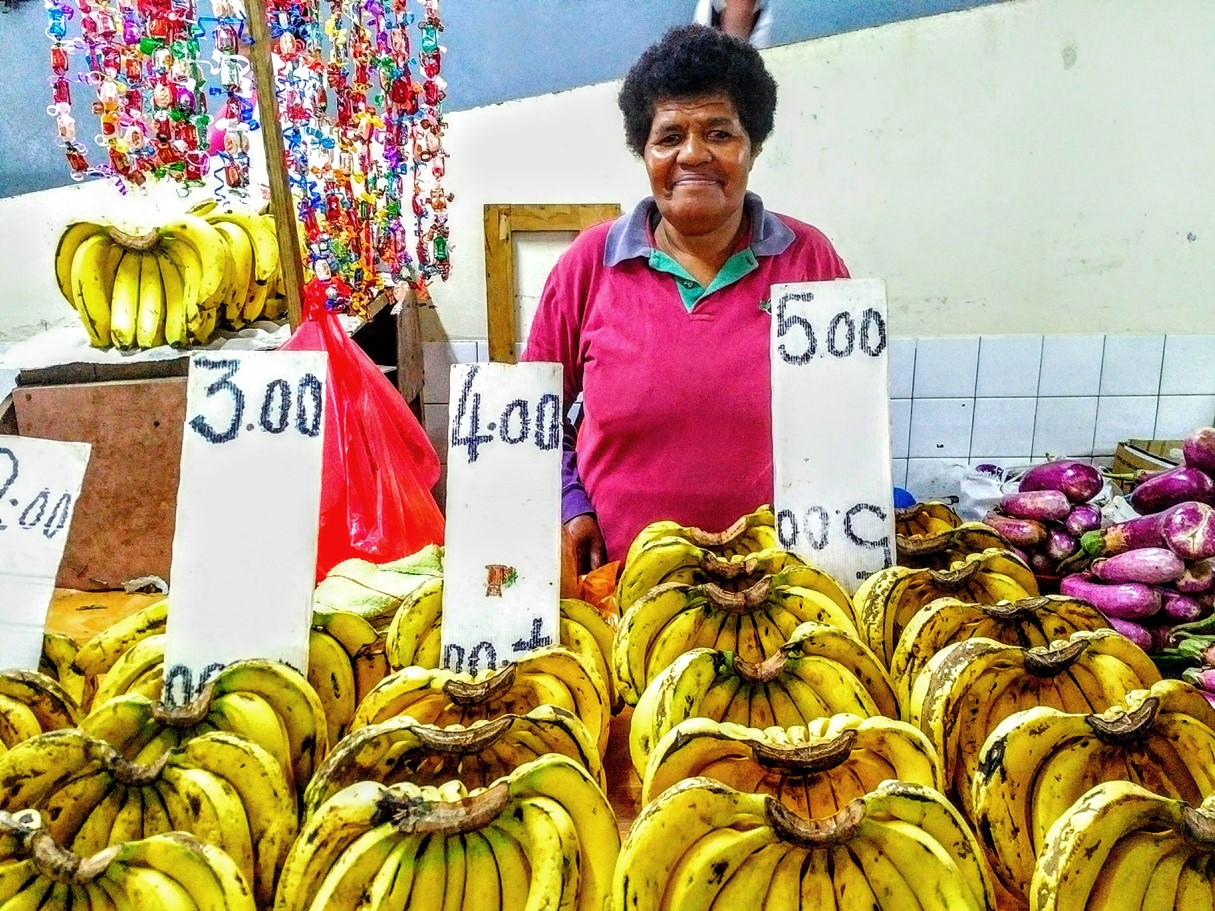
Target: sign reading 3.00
831	425
502	566
248	508
40	481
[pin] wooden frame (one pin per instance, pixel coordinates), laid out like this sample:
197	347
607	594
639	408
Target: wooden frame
501	223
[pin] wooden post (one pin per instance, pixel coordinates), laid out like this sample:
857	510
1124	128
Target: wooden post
285	222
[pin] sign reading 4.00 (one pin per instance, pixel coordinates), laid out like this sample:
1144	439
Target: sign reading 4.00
831	426
502	572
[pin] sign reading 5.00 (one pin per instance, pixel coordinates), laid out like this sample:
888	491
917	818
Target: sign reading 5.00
244	550
831	426
502	573
39	483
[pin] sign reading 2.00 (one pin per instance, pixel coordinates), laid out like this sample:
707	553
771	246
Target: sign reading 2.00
831	426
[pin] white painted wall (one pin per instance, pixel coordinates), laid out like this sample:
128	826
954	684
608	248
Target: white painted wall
1035	166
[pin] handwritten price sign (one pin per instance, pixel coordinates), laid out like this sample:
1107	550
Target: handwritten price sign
39	483
831	426
501	580
248	507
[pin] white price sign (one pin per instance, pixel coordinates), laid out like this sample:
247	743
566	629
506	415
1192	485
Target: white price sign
248	511
831	426
502	566
39	483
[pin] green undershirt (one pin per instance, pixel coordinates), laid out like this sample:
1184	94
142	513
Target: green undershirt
690	290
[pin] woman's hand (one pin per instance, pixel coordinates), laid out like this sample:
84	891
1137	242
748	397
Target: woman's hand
584	543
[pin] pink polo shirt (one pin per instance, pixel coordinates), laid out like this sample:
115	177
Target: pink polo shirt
677	420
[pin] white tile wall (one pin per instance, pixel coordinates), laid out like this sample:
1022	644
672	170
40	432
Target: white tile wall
1189	364
1009	366
1131	365
1071	365
1002	399
946	367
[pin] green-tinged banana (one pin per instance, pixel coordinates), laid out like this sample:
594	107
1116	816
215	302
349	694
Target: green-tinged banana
418	613
481	886
209	248
91	285
204	871
124	300
74	234
99	654
146	888
150	320
429	873
389	887
240	276
58	662
175	301
31	897
133	664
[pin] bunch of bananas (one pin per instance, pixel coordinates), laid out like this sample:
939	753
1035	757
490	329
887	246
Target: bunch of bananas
753	532
404	750
888	599
1038	762
945	548
171	872
701	845
264	701
31	704
415	634
922	520
820	671
1036	621
224	789
754	623
1122	848
552	675
814	770
968	688
345	661
174	284
543	836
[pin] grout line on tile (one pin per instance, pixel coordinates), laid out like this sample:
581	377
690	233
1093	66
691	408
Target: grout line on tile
1092	446
1164	348
974	399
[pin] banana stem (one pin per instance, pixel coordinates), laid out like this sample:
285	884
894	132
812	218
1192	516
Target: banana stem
187	715
464	741
1125	727
710	539
141	242
58	863
742	602
1198	826
466	694
807	759
1012	610
953	579
131	774
1045	661
815	833
448	819
764	672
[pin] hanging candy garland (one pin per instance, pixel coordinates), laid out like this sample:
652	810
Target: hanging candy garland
361	117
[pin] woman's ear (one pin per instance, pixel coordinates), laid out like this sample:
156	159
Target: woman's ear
755	150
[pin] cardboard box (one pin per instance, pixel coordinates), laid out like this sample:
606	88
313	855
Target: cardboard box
1144	455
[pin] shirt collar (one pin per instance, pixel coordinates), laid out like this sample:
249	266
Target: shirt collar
629	236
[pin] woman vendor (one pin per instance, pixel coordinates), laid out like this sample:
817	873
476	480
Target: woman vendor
661	317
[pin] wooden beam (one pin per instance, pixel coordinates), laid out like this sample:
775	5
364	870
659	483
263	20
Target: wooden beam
286	223
501	223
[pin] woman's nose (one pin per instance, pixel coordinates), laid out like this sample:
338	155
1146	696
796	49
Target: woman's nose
693	150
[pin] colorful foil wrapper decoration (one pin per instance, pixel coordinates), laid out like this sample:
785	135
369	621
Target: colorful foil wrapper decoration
359	93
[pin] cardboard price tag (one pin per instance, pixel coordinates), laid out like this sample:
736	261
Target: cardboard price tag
248	510
502	566
831	426
40	481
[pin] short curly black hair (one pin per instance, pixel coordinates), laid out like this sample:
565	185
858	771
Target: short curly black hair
691	61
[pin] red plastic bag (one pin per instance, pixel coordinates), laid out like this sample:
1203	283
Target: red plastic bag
379	464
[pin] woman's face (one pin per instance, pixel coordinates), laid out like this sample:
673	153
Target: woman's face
698	157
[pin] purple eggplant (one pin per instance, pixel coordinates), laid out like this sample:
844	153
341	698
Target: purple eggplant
1022	532
1060	545
1040	505
1187	529
1080	481
1083	517
1180	608
1203	678
1199	577
1042	565
1198	449
1177	485
1125	600
1150	565
1136	632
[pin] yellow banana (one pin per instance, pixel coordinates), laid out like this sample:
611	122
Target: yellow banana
100	653
91	285
74	234
124	300
240	274
209	249
150	321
